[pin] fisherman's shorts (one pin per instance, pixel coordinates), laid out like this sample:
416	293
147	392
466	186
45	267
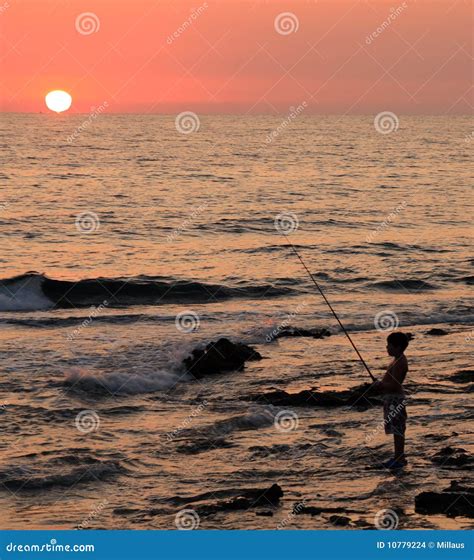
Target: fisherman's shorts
395	415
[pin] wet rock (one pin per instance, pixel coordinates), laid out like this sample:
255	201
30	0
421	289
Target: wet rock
437	332
462	376
125	511
453	457
361	396
248	499
340	520
456	486
286	332
315	510
437	437
448	503
218	357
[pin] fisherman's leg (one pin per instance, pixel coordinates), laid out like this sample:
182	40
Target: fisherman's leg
399	445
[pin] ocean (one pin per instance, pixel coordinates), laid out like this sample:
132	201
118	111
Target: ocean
129	240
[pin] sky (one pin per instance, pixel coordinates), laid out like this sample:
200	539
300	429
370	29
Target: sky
238	56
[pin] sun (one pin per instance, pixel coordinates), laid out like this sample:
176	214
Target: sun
58	100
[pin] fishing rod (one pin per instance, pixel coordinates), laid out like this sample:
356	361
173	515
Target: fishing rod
329	305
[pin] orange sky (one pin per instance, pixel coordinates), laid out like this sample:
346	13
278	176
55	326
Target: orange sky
231	58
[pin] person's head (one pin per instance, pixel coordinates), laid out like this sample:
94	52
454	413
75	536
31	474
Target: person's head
397	343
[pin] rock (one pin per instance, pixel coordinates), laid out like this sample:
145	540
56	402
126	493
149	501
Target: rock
340	520
437	332
315	510
361	396
437	437
452	457
447	503
285	332
456	486
124	511
247	500
220	356
266	513
462	376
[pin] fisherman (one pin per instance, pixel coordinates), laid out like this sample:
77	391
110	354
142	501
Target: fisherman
391	387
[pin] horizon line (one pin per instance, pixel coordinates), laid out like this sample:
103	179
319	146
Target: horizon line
213	114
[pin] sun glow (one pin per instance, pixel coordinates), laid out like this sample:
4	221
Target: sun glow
58	100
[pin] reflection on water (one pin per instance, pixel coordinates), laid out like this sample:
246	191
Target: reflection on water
99	418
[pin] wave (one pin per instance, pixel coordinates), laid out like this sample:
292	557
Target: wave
254	419
33	291
39	477
403	284
121	383
23	293
65	322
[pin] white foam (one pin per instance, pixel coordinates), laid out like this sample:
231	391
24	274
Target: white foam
24	294
122	382
255	418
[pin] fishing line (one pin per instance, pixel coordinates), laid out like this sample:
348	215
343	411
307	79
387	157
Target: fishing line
329	305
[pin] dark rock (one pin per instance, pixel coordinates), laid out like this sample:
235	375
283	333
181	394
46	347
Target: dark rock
456	486
447	503
201	445
266	513
286	332
361	396
315	510
340	520
437	332
247	500
124	511
220	356
437	437
462	376
452	457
